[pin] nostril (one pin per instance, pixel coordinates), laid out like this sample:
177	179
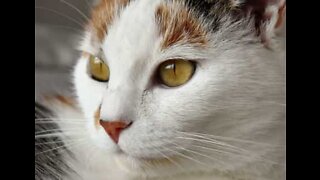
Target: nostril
114	128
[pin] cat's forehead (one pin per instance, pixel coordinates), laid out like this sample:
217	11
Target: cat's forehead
103	15
174	21
133	34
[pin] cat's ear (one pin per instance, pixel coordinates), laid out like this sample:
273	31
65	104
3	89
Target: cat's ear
269	15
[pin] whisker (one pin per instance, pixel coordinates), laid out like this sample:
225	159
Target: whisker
75	8
40	112
238	154
194	152
230	139
185	156
59	147
169	159
65	27
63	15
62	122
67	147
90	155
49	135
212	149
222	145
237	151
59	141
87	4
59	130
60	119
56	134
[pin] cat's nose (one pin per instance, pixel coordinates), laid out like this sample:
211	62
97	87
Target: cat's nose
114	128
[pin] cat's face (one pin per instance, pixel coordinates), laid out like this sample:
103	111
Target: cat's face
232	79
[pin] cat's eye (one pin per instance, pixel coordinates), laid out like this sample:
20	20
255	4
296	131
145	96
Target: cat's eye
176	72
98	70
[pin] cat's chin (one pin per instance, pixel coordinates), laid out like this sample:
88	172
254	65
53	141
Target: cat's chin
153	167
133	165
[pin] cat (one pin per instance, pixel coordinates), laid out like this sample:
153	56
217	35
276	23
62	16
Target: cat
171	89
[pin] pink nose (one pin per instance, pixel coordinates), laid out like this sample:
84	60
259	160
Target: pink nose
114	128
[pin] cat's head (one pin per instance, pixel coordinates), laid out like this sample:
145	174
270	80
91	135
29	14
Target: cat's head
157	75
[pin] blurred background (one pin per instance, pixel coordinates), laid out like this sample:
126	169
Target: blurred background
58	28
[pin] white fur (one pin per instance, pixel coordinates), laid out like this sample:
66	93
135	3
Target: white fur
237	92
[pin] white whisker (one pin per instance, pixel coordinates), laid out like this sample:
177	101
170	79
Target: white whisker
185	156
87	4
63	15
229	139
59	147
194	152
59	130
238	154
62	122
59	141
60	119
75	8
41	112
65	27
169	159
222	145
57	134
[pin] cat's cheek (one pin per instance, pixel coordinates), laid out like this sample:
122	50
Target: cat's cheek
89	92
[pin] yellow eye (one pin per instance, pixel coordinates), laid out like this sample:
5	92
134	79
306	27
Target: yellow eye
98	69
176	72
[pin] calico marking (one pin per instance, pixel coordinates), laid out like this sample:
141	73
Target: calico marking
178	25
103	15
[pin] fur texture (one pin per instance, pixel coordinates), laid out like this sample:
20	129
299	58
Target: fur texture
227	122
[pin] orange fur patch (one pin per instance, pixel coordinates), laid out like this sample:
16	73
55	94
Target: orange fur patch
62	99
97	117
281	13
177	25
103	14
